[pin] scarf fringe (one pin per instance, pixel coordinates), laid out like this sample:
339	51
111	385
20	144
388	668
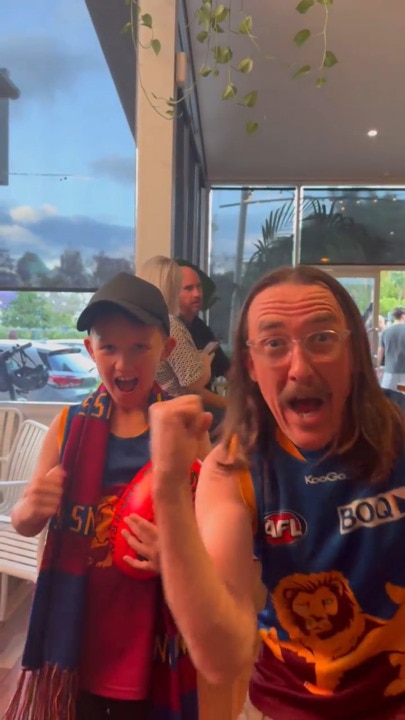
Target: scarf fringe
44	694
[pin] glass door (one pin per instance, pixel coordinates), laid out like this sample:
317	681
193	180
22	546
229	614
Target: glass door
364	287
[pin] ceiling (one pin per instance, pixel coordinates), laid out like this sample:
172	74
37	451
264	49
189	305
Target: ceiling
309	134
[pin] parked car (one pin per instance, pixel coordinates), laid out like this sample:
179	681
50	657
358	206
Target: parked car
77	344
71	375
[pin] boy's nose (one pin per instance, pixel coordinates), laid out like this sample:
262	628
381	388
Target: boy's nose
124	363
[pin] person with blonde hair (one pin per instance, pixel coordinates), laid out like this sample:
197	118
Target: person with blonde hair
186	370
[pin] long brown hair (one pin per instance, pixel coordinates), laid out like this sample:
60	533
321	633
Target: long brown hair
373	430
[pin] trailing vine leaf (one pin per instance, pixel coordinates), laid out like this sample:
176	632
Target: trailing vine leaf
251	127
250	99
220	13
229	91
330	59
156	46
304	70
202	36
246	65
146	20
304	6
217	28
245	27
204	17
302	36
222	55
214	18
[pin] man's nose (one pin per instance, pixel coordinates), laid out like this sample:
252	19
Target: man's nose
301	369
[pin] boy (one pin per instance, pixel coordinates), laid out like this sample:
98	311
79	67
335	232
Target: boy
93	629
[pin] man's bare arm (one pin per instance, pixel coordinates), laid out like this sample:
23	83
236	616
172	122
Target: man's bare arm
208	570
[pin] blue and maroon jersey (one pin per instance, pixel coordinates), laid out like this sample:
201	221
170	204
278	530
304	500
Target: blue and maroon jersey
332	553
120	611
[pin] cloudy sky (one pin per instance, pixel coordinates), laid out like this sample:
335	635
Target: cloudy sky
71	153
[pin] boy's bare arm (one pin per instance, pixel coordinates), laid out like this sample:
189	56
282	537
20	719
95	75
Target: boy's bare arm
42	496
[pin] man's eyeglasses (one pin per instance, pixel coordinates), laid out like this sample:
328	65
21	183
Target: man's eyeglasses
323	345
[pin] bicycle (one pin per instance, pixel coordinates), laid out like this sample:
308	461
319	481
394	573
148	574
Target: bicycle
19	374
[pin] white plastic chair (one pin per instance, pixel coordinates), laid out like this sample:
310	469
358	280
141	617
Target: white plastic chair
19	465
20	558
10	421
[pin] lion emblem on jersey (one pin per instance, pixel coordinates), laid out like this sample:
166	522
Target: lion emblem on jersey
100	550
327	627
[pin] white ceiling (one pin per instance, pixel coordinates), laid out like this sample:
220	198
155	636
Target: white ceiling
310	134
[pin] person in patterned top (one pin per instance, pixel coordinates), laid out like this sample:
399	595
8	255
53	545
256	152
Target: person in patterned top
186	370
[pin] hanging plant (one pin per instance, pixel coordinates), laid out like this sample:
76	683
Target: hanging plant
216	25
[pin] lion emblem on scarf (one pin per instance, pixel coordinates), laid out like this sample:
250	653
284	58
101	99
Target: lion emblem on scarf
327	627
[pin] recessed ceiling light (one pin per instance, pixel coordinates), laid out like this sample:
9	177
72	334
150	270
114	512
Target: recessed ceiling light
372	133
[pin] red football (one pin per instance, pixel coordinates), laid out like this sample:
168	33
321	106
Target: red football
137	498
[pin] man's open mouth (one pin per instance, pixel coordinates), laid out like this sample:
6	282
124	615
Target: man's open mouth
126	385
306	405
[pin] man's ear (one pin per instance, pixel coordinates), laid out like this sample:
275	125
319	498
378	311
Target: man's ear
88	346
168	348
250	366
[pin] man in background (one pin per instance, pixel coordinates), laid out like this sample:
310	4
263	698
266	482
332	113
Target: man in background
391	352
190	304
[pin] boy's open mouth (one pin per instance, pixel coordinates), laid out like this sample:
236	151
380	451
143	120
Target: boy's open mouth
126	385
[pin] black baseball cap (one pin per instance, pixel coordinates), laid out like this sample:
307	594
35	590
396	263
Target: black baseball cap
134	296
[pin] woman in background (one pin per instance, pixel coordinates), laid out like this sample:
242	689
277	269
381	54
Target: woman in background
187	370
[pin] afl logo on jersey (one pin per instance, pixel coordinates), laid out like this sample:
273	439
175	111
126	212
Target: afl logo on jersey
284	527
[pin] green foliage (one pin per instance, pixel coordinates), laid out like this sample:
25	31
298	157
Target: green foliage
392	290
302	36
330	59
304	6
217	25
28	309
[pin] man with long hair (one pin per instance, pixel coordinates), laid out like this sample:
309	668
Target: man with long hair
310	478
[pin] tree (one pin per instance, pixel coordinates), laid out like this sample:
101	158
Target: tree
6	261
328	233
29	309
273	250
30	266
106	267
71	273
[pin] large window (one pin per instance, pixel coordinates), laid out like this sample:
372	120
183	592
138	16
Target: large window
353	226
252	231
67	212
67	173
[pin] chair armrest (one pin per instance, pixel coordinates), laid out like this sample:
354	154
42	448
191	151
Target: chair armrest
12	483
